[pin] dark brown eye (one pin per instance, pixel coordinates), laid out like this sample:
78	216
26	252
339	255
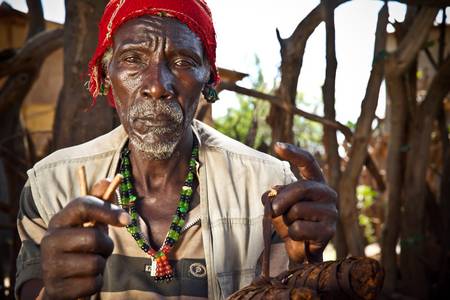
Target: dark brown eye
183	63
132	59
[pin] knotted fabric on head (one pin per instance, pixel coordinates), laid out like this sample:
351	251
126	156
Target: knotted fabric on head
194	13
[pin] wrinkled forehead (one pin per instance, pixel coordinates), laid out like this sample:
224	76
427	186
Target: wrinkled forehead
151	29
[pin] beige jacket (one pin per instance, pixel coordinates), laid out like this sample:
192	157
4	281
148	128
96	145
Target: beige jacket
232	178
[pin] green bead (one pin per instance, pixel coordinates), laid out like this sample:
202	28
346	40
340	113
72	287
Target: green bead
175	219
126	174
192	163
126	161
186	190
129	185
181	223
173	234
190	176
140	242
134	215
132	229
133	198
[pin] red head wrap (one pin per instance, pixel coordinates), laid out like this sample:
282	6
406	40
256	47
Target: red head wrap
194	13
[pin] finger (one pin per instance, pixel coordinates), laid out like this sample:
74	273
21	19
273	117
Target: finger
304	161
305	190
86	240
302	230
76	265
273	190
89	208
100	187
73	288
311	211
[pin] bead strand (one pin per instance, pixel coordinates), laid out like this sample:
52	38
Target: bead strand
164	270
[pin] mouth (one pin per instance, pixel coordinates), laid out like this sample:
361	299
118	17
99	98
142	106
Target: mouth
158	125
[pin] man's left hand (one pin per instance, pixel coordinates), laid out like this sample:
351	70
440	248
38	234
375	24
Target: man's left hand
304	212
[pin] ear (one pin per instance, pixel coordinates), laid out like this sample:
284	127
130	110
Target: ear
107	80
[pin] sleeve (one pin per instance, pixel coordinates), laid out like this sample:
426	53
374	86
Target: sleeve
31	230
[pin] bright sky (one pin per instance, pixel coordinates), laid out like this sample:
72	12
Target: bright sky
247	28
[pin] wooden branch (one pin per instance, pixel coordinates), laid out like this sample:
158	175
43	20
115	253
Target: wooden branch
358	151
431	3
36	49
292	51
36	23
328	90
442	37
415	38
431	58
347	132
274	100
373	170
439	87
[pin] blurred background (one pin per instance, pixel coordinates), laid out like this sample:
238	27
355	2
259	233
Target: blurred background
361	84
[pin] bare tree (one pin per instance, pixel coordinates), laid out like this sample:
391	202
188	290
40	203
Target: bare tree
21	67
76	120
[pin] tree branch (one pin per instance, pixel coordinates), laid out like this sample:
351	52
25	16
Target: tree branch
292	51
274	100
36	23
35	50
358	151
431	3
415	38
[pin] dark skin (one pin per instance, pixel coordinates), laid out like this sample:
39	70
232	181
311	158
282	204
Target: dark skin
160	59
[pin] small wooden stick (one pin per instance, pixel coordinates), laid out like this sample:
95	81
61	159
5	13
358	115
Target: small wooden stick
83	181
112	187
106	195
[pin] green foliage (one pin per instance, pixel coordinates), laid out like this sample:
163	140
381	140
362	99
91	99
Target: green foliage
351	125
308	133
238	121
366	196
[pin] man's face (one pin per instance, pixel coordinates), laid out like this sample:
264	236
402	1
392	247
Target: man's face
157	72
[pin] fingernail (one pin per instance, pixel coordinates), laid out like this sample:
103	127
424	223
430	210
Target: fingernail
124	218
281	145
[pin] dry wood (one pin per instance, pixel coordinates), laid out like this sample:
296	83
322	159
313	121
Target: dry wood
34	50
82	181
13	92
412	265
106	195
351	278
292	51
435	3
412	35
358	152
76	120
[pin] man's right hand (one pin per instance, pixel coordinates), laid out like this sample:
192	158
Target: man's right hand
73	257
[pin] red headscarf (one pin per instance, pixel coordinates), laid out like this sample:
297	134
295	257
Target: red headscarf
194	13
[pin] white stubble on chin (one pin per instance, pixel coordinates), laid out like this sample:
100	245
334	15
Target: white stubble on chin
158	143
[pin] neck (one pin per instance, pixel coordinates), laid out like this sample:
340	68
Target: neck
156	175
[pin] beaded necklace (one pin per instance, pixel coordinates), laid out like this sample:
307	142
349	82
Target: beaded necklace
160	267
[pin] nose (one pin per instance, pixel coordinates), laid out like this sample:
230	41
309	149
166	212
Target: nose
157	83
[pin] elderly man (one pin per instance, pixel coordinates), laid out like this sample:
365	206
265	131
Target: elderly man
187	219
